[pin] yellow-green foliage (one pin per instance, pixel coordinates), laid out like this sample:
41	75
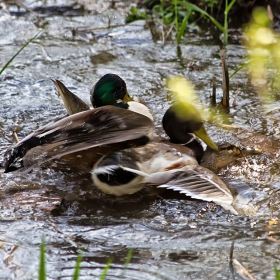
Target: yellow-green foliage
181	89
263	50
182	92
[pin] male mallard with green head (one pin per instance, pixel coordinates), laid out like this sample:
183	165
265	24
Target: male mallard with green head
86	134
109	90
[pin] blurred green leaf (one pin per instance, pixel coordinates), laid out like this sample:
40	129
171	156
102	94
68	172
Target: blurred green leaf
183	27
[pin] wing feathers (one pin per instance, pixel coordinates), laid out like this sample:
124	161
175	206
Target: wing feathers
200	187
108	126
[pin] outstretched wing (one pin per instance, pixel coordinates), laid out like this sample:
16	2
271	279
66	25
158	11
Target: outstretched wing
199	183
98	131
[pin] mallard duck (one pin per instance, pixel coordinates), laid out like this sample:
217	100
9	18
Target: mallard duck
86	134
109	90
169	166
181	120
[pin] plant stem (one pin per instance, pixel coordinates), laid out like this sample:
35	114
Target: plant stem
25	45
239	68
183	26
226	25
214	87
176	16
227	9
105	270
225	100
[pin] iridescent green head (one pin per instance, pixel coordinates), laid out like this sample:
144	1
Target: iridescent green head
110	90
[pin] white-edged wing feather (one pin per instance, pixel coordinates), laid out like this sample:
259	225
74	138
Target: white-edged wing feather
200	185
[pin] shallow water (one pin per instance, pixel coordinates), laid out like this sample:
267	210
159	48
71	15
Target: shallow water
171	238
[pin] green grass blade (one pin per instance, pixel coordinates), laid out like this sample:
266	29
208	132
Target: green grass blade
226	24
25	45
127	262
277	274
105	270
197	9
229	6
225	31
239	68
176	16
42	266
128	258
77	267
183	26
227	9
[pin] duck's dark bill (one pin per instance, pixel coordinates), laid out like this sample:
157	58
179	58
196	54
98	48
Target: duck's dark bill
96	131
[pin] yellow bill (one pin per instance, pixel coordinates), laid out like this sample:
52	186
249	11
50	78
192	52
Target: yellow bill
127	97
202	134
